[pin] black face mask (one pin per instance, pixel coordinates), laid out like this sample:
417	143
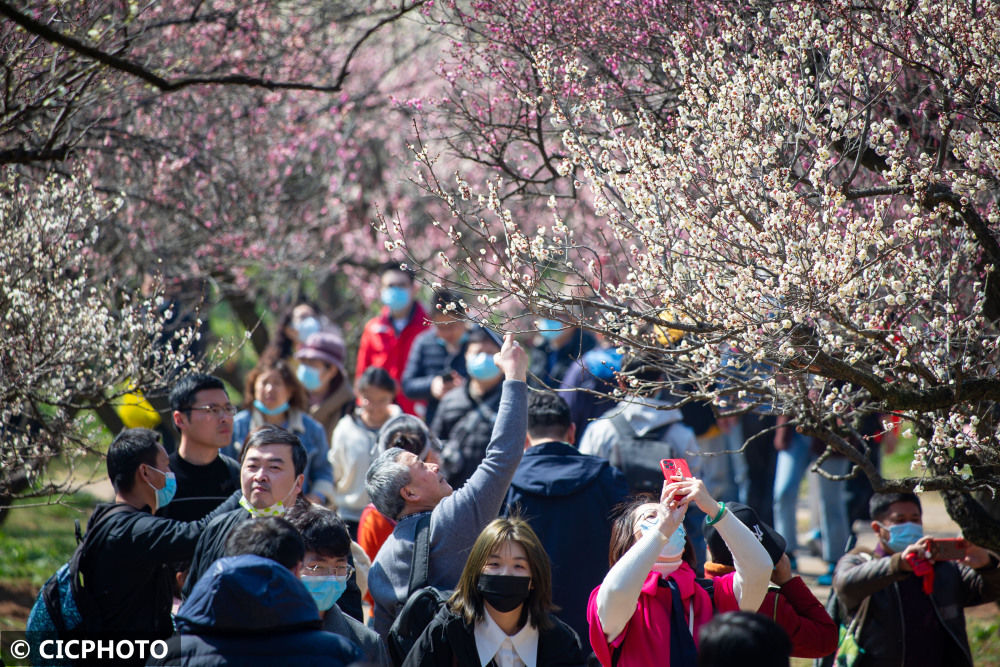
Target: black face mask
504	592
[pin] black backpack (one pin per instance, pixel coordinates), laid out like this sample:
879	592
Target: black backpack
640	455
65	606
423	602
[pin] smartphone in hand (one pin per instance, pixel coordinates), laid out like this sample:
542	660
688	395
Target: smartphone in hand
673	467
948	548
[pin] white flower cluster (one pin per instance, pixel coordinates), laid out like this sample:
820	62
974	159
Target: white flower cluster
814	205
73	336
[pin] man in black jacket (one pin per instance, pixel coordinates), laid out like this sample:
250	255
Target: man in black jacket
464	419
272	465
203	414
128	570
568	499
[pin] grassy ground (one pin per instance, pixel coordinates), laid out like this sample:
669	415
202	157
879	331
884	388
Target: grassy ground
35	542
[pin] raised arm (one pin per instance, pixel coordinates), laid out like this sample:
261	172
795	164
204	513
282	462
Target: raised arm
753	565
478	501
619	593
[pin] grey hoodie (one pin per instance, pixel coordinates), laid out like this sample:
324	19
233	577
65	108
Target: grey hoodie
644	415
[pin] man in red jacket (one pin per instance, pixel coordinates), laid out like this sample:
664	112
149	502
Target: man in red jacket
388	337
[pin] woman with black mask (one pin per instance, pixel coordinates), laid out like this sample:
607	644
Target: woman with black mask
500	613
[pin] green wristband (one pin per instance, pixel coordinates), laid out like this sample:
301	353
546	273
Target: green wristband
722	510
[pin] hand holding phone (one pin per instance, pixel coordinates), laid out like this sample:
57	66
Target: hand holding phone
672	468
948	548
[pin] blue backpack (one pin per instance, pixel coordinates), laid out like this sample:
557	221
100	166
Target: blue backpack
65	607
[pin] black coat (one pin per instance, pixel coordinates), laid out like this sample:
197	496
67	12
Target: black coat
448	641
464	425
129	571
568	498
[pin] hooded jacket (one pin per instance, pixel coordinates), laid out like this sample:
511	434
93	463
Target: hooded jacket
568	497
644	415
249	610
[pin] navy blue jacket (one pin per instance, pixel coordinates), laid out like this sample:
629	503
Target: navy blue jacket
568	498
248	610
429	358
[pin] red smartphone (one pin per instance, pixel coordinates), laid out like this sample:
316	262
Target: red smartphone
673	467
948	548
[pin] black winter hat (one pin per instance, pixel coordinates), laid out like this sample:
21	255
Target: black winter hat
768	536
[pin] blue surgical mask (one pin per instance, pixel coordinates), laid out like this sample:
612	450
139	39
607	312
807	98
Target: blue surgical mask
325	591
674	547
309	377
550	329
902	535
307	327
166	494
396	298
263	409
482	366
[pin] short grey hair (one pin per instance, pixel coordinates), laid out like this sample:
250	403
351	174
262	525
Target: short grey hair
384	482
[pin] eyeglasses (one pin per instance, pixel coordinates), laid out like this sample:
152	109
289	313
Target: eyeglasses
327	571
217	411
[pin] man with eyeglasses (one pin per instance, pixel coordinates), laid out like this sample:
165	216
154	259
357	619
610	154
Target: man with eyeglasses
326	572
205	477
252	607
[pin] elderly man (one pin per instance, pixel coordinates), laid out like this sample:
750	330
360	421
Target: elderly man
404	488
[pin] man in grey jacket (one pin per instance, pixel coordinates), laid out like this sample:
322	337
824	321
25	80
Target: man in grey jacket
404	488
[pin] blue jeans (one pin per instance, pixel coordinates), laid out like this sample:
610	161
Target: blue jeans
792	465
833	510
791	468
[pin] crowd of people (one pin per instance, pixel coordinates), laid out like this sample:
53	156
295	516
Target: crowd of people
301	529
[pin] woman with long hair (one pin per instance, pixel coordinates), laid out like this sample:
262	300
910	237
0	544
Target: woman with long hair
649	608
501	611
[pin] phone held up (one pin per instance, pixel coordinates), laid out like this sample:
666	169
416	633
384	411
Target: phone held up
673	467
948	548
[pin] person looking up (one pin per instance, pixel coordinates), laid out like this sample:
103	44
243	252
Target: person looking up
649	608
404	489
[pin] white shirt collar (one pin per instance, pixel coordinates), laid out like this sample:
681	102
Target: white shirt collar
490	640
